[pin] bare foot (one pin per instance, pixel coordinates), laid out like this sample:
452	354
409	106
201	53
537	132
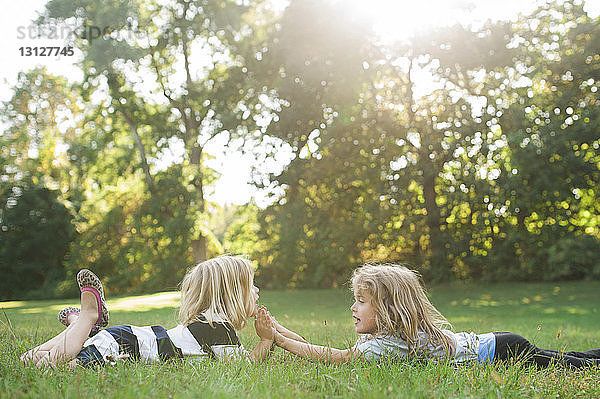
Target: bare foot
72	318
89	306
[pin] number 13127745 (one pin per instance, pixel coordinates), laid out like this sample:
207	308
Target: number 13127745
46	51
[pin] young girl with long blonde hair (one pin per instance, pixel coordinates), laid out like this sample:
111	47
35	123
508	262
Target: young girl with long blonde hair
217	298
396	320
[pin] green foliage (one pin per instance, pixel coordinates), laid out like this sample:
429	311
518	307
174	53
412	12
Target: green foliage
204	44
39	196
316	231
572	257
35	233
551	154
492	175
143	243
483	178
240	235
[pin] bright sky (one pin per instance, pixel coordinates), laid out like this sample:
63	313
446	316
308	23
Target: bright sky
392	18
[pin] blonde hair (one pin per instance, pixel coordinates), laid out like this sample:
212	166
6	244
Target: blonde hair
401	305
220	290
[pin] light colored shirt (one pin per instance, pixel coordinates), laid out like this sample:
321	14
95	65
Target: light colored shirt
375	348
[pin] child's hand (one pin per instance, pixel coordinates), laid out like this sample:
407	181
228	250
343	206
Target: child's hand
278	327
263	325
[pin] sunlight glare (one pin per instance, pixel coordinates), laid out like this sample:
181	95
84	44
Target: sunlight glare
393	19
396	20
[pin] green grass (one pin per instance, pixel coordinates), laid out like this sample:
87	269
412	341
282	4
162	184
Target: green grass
555	315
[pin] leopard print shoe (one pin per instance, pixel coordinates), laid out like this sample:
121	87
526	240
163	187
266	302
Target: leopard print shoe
63	317
88	281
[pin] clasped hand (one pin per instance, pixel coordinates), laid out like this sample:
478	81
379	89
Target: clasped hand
264	324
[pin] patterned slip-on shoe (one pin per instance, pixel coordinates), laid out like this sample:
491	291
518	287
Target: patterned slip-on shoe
88	281
63	317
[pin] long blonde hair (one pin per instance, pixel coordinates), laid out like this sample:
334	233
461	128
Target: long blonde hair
401	305
220	290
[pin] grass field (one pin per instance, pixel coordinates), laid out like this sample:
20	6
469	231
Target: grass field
553	315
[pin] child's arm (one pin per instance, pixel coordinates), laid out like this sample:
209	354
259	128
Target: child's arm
288	334
261	351
284	331
265	332
315	352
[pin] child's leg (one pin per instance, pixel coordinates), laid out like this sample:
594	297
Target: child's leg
509	345
78	332
68	315
591	354
568	359
72	318
35	354
67	344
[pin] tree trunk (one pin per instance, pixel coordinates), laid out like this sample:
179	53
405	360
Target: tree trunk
138	142
199	249
439	266
199	245
437	260
192	126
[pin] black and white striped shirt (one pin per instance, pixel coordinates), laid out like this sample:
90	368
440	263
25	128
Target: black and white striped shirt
152	343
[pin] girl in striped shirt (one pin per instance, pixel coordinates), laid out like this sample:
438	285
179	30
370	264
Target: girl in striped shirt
217	298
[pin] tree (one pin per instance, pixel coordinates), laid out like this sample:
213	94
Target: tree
551	163
371	131
441	156
192	53
316	72
36	231
442	178
39	185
